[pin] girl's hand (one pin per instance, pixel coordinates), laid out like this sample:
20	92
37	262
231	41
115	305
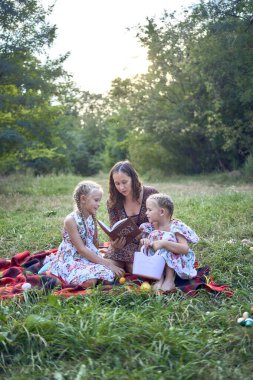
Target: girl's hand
158	244
146	242
118	243
119	272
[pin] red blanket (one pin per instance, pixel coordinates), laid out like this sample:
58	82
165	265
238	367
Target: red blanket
24	267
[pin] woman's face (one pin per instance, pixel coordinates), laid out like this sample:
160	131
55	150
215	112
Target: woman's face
123	183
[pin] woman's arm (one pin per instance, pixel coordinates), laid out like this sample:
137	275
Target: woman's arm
180	247
71	228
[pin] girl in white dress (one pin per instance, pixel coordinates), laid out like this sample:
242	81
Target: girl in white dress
169	238
78	260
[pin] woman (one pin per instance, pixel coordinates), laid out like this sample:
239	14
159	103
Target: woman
127	198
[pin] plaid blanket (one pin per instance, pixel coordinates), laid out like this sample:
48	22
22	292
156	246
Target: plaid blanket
24	267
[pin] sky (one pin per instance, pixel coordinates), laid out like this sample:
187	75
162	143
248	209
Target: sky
95	33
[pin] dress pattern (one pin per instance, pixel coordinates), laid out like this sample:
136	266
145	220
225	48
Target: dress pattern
117	213
70	266
183	265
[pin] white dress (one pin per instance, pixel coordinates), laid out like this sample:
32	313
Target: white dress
183	265
69	265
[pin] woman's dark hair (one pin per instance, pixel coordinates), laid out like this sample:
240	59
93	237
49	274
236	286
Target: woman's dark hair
127	168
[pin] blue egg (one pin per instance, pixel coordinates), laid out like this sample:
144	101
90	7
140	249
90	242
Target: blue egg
249	322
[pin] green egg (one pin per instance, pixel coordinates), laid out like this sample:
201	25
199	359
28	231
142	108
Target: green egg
241	321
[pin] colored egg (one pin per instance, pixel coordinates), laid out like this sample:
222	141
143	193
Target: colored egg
26	286
249	322
245	315
122	280
241	321
145	286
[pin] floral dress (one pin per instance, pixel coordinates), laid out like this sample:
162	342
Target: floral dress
73	268
117	213
183	265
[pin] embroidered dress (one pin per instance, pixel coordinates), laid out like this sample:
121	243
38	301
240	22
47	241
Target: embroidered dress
73	268
183	265
117	213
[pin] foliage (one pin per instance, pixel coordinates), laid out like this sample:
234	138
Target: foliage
31	90
200	82
129	335
248	167
191	113
194	106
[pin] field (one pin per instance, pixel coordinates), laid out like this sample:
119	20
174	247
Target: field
123	335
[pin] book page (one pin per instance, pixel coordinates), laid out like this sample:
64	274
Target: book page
117	223
107	228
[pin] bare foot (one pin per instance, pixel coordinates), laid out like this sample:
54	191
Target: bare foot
158	284
168	285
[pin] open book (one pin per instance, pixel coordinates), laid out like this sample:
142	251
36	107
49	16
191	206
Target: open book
125	227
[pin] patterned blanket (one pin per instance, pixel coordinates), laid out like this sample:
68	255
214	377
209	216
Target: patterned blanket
24	267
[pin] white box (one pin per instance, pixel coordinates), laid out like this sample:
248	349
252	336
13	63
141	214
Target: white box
148	266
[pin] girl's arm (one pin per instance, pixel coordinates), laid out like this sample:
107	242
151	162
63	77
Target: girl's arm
71	228
180	247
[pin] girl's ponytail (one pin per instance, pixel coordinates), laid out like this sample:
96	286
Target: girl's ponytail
95	236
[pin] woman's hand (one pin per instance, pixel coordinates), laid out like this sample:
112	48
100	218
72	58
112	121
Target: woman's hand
138	237
118	243
119	272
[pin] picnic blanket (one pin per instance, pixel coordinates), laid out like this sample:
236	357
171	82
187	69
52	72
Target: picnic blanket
24	267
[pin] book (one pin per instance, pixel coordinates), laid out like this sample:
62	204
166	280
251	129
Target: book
124	227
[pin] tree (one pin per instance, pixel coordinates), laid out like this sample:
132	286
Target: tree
30	89
198	104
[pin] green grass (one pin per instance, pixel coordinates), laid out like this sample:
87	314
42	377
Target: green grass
125	335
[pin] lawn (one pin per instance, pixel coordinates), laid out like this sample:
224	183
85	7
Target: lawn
126	335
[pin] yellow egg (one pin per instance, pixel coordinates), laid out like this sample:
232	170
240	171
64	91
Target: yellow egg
122	280
145	286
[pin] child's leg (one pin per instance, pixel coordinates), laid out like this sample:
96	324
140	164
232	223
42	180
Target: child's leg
158	284
169	281
89	283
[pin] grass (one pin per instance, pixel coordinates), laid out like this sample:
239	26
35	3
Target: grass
125	335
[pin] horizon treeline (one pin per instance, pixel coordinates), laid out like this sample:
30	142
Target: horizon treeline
191	113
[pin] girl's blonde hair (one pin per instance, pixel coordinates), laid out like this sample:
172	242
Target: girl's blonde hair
85	188
164	201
